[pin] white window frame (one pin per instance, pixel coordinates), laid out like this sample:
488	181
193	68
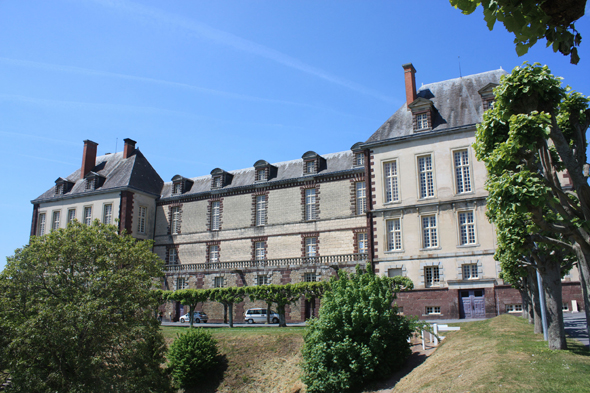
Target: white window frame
425	166
215	215
359	159
462	169
107	213
512	308
310	167
213	250
432	310
181	283
431	276
41	224
470	271
175	220
262	279
172	256
429	225
177	188
393	227
261	174
310	277
260	210
141	219
362	240
391	181
71	215
310	204
311	247
87	215
260	251
421	121
361	197
467	234
55	219
218	282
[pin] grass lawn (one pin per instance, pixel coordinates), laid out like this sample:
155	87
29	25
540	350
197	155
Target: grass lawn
500	355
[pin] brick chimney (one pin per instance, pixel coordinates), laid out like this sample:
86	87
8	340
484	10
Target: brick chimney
410	78
129	147
88	157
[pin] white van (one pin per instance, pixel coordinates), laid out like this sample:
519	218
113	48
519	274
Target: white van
254	315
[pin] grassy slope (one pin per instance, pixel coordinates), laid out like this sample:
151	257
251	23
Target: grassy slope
500	355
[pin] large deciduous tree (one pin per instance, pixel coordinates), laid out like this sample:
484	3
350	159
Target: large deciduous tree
532	20
77	314
533	142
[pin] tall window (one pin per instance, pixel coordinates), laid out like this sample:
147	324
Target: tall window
431	276
175	225
311	247
361	197
262	279
362	242
55	221
215	215
310	204
426	176
141	217
181	283
41	225
429	232
462	175
394	235
260	210
470	272
218	282
214	253
310	277
71	215
88	215
259	251
172	256
107	214
391	188
466	228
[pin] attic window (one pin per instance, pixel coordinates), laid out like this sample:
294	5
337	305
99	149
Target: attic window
216	182
177	188
422	121
261	174
59	189
488	104
310	167
359	159
90	184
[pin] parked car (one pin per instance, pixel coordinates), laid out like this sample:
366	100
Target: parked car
254	315
199	316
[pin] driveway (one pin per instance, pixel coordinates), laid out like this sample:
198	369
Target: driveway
575	326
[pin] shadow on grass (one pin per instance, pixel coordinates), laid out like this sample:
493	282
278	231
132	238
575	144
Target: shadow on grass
578	348
213	380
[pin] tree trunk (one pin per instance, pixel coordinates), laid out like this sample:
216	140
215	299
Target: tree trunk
225	313
551	276
526	301
191	315
536	308
281	311
231	314
584	270
268	312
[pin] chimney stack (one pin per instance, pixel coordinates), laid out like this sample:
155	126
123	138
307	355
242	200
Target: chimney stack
410	78
129	147
88	157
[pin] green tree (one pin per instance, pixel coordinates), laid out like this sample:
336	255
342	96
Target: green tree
190	298
77	314
281	295
535	133
228	297
532	20
358	336
314	290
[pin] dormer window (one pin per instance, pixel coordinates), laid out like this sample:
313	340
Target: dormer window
310	167
359	159
62	186
422	121
59	189
422	110
181	185
488	104
263	171
220	178
260	174
487	96
216	182
90	184
177	188
93	181
313	163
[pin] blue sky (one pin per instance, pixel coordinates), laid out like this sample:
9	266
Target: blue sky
206	84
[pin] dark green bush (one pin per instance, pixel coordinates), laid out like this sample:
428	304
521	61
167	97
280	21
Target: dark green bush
192	356
358	336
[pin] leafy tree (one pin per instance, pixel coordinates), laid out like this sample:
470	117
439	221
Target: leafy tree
160	296
192	357
228	297
358	336
536	132
281	295
77	315
314	290
190	298
532	20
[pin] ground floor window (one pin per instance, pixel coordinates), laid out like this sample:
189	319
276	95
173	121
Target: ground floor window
432	310
514	308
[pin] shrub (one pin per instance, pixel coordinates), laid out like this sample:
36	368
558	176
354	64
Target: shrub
192	356
358	336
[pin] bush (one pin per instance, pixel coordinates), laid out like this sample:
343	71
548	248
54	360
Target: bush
192	356
358	336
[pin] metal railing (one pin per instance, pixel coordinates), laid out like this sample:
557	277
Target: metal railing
328	260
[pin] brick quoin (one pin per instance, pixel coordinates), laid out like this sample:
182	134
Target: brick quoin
126	212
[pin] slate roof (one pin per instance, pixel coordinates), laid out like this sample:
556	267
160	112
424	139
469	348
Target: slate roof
286	171
134	173
456	102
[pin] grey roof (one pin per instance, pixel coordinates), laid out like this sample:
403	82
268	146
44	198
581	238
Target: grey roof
286	171
134	173
456	103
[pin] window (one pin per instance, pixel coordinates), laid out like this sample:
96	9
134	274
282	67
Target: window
391	188
55	221
107	214
359	159
429	232
141	217
262	279
177	188
310	204
259	251
426	176
421	121
432	309
431	276
514	308
218	282
216	182
394	272
41	225
260	174
88	215
175	218
394	235
181	283
71	215
260	210
215	215
462	174
59	189
309	167
310	277
470	272
214	253
362	243
172	256
311	244
488	104
466	228
361	197
89	184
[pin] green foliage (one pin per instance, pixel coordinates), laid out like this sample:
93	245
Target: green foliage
192	356
76	313
358	336
532	20
228	297
191	298
281	295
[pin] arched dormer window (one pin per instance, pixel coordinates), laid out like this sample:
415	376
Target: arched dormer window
263	171
181	184
220	178
421	114
313	163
